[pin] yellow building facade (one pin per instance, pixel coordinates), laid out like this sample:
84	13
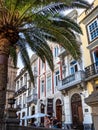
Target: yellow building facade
88	21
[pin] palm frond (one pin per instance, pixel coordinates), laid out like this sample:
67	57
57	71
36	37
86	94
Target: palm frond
39	44
64	39
25	58
66	22
57	6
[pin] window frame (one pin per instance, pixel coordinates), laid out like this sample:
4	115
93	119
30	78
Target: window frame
49	82
57	77
92	30
72	65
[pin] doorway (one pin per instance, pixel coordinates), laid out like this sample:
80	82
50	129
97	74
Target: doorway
77	113
42	111
59	110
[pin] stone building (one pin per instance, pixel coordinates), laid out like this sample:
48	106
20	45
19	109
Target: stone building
60	93
12	71
26	93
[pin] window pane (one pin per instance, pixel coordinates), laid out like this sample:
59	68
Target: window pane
93	30
49	83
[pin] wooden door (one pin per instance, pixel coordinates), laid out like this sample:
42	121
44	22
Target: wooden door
77	114
59	111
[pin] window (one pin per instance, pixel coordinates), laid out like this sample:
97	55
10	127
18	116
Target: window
56	51
16	102
42	65
25	79
42	86
29	91
48	83
20	100
17	85
57	77
24	100
93	30
73	67
21	82
95	57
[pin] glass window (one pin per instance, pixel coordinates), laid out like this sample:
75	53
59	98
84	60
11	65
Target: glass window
57	77
96	59
49	83
73	67
93	30
42	86
20	100
25	79
17	85
56	51
42	65
24	99
21	82
29	91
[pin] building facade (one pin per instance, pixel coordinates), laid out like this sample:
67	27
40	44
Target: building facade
60	93
73	87
89	24
26	93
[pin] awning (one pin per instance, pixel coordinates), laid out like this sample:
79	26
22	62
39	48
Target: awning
37	115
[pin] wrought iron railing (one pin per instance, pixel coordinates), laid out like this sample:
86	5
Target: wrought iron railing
32	98
72	80
91	70
21	90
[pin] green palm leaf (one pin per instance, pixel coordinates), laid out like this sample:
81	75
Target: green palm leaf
38	22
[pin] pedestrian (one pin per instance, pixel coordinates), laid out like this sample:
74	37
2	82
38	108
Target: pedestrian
46	122
51	122
56	123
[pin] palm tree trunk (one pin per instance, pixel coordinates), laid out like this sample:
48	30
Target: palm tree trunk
4	54
3	85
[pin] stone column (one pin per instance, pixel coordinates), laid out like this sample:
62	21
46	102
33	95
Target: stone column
10	115
11	118
92	101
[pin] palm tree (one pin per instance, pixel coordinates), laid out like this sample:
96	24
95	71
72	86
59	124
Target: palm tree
31	23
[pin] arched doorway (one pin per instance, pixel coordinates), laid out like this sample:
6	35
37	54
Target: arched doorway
59	110
77	113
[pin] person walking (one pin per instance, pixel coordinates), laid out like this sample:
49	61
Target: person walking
46	122
56	123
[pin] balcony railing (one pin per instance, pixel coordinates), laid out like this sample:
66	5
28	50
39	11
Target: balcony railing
32	98
21	90
91	70
71	80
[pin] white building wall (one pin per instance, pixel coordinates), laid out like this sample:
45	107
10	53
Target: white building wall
67	110
87	117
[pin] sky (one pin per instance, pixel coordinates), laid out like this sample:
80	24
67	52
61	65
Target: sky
20	65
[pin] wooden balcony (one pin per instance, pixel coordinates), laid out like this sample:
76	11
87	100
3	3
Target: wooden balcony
72	80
